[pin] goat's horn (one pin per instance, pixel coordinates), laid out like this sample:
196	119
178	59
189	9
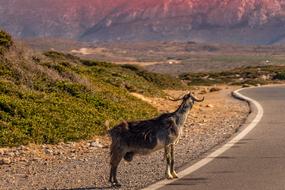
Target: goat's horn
196	99
174	99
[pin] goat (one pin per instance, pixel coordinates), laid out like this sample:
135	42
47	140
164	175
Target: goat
144	137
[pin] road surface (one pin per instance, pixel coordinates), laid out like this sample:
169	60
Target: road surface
257	162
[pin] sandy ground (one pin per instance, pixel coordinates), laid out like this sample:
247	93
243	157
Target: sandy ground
85	165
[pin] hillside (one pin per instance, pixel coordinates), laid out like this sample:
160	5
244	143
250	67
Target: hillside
221	21
54	97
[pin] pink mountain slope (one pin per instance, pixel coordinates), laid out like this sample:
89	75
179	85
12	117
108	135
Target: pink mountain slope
238	21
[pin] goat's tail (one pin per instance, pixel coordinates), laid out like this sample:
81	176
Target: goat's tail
116	134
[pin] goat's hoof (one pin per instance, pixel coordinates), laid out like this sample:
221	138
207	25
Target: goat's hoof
116	184
174	174
168	176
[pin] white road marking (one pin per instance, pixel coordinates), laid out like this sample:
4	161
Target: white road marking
219	151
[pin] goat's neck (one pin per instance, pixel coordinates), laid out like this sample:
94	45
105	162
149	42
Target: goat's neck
182	112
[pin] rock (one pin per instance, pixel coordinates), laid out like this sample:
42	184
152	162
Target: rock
21	148
215	89
48	151
57	152
204	91
5	161
209	106
246	85
11	154
23	159
36	159
107	124
265	77
17	153
96	145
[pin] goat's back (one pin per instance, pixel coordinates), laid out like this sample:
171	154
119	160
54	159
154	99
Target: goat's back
143	134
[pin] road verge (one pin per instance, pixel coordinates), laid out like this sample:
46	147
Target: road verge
256	113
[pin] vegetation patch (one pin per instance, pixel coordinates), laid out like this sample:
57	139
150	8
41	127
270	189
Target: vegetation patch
5	41
59	97
258	75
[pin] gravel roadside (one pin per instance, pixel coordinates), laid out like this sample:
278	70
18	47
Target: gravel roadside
85	165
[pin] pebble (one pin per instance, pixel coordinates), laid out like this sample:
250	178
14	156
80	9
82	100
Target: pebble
48	151
11	154
5	161
209	106
96	145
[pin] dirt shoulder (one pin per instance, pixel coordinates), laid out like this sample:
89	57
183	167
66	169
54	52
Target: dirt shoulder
84	165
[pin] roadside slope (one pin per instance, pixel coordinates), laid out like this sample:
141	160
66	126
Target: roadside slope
55	97
85	166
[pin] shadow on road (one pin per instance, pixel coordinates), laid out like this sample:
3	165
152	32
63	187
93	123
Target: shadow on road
223	157
189	181
221	172
86	188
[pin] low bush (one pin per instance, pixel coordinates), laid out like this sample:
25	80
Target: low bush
280	76
5	41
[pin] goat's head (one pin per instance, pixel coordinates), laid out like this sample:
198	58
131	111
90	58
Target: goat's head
188	97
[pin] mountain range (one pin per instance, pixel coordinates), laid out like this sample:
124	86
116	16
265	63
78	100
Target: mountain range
214	21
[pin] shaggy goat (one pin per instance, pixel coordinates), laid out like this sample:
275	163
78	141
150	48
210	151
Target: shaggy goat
144	137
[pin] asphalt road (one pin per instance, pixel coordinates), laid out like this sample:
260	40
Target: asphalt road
257	162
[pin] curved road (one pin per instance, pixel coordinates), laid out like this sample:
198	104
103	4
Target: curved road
257	162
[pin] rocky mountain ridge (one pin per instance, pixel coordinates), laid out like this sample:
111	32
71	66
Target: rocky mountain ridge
222	21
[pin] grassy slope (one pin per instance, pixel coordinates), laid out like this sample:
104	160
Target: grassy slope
57	97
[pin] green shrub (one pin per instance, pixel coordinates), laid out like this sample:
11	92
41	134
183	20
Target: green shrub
60	56
5	41
71	88
131	67
96	63
280	76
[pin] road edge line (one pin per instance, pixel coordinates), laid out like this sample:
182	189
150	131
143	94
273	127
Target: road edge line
255	107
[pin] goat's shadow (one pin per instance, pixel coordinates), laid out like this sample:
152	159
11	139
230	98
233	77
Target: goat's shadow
186	181
86	188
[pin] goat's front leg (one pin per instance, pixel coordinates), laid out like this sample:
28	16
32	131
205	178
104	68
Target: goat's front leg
167	155
173	173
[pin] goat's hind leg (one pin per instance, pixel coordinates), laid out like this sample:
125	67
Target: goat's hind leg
116	158
173	173
167	155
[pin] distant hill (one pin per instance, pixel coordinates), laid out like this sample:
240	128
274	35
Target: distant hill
222	21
